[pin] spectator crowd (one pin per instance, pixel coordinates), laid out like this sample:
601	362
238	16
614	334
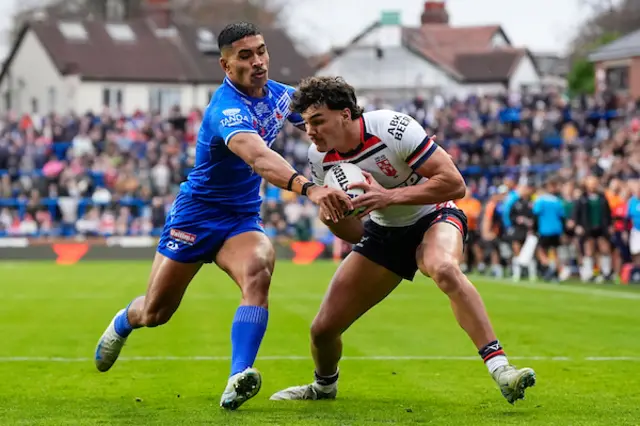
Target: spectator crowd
76	176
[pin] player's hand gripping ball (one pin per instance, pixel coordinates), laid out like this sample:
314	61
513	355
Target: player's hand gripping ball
341	176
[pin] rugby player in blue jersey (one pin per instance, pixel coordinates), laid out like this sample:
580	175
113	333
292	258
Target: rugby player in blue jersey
215	217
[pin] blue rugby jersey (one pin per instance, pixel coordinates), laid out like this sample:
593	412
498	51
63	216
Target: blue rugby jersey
219	176
550	211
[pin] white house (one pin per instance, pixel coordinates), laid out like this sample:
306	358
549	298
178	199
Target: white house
392	61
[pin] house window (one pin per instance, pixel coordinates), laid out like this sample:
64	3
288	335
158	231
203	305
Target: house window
121	32
112	98
163	99
617	78
74	31
207	42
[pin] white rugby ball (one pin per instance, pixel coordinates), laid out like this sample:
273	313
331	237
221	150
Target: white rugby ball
341	176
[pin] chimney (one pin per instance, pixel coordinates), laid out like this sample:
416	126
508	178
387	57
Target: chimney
435	12
159	12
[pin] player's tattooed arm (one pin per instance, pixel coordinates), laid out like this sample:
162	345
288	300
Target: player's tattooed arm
277	171
298	182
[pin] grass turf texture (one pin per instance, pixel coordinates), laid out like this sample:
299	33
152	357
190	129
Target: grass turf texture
49	311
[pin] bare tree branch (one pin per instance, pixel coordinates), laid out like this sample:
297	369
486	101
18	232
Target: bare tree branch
609	17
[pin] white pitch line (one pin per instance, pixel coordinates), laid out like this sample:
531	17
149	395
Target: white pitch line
308	358
560	288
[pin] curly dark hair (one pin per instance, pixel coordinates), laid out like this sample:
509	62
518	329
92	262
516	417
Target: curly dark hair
333	92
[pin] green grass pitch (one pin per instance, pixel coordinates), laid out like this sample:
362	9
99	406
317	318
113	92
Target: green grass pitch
407	362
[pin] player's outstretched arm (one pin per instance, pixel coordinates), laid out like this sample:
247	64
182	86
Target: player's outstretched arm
277	171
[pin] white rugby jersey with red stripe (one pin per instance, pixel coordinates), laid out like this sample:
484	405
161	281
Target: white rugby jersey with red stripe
393	145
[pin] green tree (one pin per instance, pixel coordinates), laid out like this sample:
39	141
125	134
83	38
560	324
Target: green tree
581	78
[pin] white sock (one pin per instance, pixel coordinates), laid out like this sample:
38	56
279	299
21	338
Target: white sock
517	270
586	271
325	388
552	265
564	254
496	362
498	271
533	270
605	265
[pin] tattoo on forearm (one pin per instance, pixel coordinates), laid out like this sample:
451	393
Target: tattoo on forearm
299	180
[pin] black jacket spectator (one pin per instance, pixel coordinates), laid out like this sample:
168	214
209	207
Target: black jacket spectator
584	214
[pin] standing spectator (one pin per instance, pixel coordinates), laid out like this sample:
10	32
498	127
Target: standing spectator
474	255
634	217
492	229
549	212
617	198
521	221
592	216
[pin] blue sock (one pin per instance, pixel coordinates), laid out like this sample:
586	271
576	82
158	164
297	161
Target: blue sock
247	331
121	324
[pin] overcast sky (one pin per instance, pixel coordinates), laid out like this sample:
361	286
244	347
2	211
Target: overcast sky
541	25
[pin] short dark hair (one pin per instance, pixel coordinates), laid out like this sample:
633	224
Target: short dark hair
236	31
333	92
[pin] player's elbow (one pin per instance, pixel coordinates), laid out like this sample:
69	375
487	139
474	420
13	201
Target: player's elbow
458	187
459	192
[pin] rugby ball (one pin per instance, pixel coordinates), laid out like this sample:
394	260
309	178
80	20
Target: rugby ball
341	176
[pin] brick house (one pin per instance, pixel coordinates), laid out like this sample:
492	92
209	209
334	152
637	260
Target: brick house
617	66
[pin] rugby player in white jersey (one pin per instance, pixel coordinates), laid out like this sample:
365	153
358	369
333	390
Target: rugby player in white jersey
413	226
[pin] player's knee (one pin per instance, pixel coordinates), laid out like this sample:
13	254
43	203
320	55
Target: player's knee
445	273
604	246
322	331
256	281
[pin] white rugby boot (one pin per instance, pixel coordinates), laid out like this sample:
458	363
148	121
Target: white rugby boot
313	391
109	347
241	387
513	382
